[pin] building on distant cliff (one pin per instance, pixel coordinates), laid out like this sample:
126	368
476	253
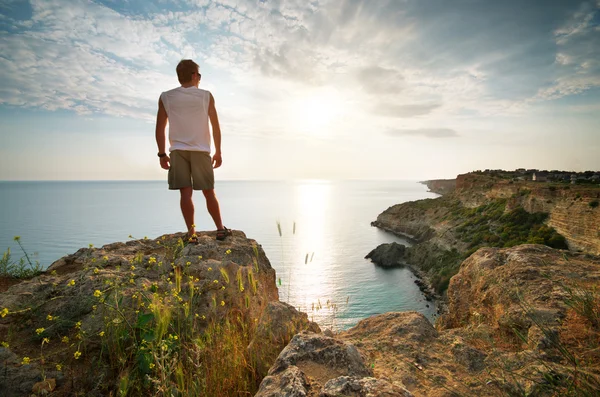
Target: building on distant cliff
539	177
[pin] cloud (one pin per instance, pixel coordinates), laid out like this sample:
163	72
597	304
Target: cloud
427	132
578	54
403	111
378	80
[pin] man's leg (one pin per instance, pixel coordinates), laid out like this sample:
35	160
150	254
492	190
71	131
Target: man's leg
212	204
187	208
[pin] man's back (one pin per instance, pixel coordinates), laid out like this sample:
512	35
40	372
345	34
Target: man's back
187	110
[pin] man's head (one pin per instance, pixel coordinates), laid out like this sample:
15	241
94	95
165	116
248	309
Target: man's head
188	71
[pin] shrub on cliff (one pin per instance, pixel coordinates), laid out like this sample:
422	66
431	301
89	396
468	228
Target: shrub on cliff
489	226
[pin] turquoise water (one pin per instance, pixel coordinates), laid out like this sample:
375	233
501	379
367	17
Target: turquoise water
319	262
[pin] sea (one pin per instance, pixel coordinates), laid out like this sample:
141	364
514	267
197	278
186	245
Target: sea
315	233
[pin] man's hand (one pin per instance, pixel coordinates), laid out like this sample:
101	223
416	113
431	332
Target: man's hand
217	160
164	162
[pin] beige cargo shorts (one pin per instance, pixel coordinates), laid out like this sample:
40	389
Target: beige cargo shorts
190	168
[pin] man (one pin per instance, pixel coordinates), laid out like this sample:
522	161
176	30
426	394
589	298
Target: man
188	110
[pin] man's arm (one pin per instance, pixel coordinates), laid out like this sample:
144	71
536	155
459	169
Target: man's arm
161	125
216	131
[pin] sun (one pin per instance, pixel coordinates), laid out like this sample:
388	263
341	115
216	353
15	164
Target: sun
316	113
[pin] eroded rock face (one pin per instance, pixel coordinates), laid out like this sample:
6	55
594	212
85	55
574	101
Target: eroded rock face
387	255
278	323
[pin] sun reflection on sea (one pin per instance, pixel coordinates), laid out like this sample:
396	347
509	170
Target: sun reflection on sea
310	276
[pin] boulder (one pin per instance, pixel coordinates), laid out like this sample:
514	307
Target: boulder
387	255
315	357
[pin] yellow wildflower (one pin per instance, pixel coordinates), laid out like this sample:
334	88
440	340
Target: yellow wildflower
49	317
152	260
78	324
97	293
71	283
65	339
105	257
203	317
188	263
101	333
222	303
77	354
58	367
228	252
53	273
210	269
17	238
216	281
151	365
26	360
45	340
94	307
131	281
91	246
4	312
132	267
4	344
96	271
39	331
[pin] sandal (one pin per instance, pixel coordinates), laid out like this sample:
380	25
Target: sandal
223	233
193	239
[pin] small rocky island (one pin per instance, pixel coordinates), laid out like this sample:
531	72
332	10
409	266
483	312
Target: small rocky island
516	264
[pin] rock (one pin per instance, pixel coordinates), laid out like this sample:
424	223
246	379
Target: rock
16	379
470	357
289	383
319	358
387	255
230	279
347	386
278	323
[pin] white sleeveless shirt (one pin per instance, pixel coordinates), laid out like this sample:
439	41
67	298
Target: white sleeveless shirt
187	112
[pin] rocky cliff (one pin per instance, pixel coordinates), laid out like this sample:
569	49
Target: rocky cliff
441	186
573	209
487	211
521	321
146	317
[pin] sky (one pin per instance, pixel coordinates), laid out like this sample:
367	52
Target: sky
322	89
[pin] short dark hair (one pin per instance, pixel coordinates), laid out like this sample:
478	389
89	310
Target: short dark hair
185	69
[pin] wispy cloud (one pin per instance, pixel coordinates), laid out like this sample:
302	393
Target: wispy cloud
427	132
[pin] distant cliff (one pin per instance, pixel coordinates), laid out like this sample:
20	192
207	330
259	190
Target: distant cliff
441	186
494	212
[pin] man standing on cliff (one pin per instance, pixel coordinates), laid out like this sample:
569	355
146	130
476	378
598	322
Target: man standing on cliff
188	110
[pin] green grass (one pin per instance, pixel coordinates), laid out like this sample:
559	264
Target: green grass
23	268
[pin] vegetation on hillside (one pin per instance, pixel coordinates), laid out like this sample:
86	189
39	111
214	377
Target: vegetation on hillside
488	225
